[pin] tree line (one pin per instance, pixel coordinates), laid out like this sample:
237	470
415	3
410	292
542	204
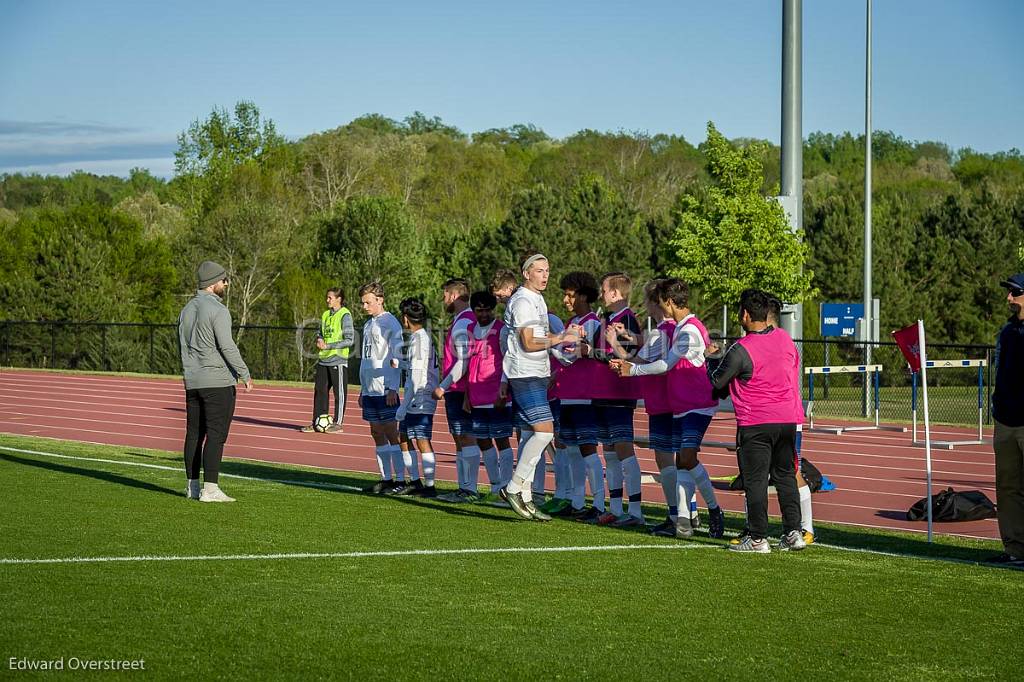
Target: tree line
417	201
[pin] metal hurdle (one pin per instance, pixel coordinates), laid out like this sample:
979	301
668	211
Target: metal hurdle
940	364
845	369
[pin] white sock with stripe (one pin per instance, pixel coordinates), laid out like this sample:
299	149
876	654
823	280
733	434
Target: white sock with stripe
397	462
505	466
703	481
384	461
631	474
685	489
471	462
491	464
595	476
409	459
668	486
428	468
613	472
579	477
806	516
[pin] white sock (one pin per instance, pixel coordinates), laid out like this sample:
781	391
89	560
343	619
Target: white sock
703	481
428	468
685	487
613	472
397	462
411	464
631	474
531	453
806	517
505	466
668	486
471	458
540	473
563	474
579	477
595	475
384	461
460	468
491	464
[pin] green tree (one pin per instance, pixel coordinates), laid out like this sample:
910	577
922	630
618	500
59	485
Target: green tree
737	238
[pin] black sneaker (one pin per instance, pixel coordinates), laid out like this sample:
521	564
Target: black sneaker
413	488
380	487
398	488
716	523
427	491
589	515
1006	559
665	529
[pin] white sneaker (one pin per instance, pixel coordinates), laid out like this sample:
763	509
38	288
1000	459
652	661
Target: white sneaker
213	493
192	491
749	544
793	540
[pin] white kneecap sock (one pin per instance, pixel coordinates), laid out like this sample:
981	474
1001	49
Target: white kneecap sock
631	474
397	462
806	516
384	461
491	465
579	477
563	474
471	463
428	468
460	468
613	472
531	453
411	465
505	466
668	486
595	476
685	488
703	481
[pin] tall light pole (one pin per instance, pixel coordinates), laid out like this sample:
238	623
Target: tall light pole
868	312
792	136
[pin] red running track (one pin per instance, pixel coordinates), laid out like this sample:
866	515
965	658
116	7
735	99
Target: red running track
878	475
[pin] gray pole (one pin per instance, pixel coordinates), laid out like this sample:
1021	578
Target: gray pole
792	133
868	323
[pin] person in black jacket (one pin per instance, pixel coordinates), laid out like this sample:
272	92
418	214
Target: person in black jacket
1008	414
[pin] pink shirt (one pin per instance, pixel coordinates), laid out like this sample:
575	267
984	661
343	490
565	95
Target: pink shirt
772	394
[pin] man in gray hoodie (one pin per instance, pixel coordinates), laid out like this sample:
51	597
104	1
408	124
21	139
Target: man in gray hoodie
212	366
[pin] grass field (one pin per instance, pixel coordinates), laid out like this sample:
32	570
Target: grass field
652	608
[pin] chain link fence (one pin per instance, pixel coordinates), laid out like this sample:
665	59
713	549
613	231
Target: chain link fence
289	353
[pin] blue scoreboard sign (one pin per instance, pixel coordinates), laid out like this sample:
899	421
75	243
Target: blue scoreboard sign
840	319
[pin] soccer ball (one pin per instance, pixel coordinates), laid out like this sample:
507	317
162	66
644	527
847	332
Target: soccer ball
322	422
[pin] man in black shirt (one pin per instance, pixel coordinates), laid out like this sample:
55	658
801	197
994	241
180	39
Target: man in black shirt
1008	414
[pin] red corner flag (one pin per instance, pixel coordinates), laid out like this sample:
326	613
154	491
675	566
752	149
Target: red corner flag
910	345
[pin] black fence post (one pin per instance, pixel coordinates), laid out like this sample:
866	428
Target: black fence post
53	345
266	351
151	348
103	347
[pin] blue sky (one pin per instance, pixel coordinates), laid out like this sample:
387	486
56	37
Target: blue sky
105	86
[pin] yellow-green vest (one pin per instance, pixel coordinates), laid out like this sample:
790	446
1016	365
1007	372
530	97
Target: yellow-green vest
330	330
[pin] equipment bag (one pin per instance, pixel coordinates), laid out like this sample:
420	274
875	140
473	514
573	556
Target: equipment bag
950	505
811	474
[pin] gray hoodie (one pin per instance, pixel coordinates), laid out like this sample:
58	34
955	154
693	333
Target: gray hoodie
209	356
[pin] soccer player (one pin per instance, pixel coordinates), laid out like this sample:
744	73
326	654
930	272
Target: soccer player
453	389
379	377
762	373
416	413
334	342
690	398
527	366
654	389
491	417
573	382
615	401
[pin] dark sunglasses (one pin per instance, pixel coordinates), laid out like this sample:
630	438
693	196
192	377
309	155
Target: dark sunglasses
1015	292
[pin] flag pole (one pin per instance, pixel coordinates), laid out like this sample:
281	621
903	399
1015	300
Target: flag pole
927	426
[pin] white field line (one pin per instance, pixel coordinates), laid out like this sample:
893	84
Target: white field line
395	553
356	555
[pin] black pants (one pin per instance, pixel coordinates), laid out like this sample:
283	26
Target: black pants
208	413
330	378
769	450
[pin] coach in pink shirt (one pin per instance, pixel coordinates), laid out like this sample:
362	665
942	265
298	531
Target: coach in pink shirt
762	372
